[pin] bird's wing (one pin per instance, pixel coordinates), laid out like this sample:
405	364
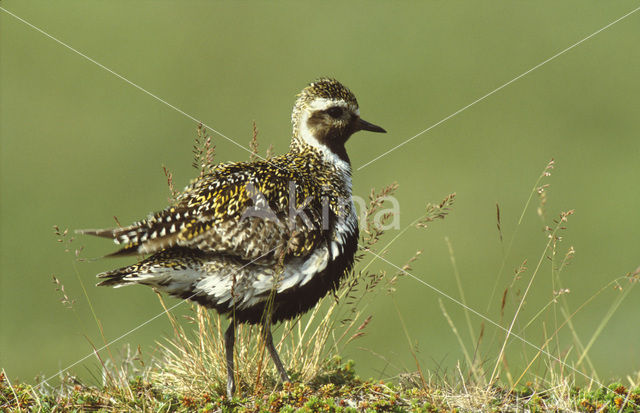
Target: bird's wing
239	210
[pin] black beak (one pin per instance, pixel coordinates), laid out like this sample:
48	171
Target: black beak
364	125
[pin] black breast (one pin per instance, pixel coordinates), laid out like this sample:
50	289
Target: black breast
300	299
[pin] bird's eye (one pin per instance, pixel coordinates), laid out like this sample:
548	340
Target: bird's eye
335	112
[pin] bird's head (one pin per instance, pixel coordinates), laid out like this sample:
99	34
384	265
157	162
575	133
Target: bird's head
325	115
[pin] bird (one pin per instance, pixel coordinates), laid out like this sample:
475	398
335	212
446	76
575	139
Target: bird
260	241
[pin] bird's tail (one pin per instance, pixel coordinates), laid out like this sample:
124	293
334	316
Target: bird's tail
127	236
111	233
167	270
118	278
148	236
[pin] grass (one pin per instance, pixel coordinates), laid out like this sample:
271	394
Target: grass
187	372
338	389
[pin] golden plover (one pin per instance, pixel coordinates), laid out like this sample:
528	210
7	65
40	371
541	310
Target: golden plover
259	241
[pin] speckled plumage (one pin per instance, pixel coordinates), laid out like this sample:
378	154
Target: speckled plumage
281	231
206	233
208	215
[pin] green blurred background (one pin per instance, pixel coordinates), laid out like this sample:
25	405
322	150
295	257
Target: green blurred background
80	145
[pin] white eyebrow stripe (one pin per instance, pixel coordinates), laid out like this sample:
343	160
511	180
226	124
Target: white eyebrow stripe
324	103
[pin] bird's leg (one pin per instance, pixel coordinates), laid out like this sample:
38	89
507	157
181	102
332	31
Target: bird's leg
268	340
229	340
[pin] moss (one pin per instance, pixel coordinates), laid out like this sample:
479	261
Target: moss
612	398
338	390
